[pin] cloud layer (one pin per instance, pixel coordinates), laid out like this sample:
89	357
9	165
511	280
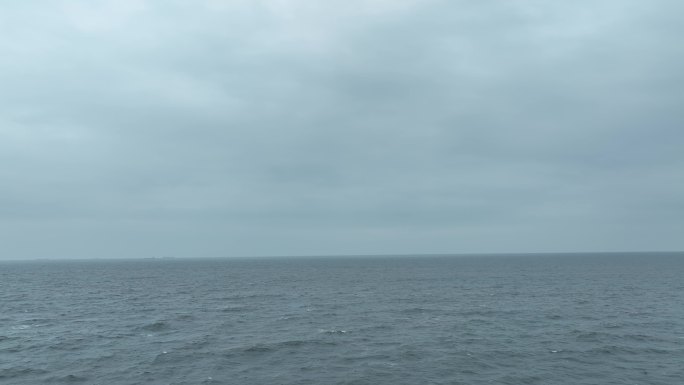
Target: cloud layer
290	127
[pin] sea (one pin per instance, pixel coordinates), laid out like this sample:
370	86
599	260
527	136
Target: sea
604	318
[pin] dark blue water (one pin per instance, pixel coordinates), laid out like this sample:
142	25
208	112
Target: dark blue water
562	319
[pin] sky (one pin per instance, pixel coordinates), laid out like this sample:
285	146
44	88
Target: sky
207	128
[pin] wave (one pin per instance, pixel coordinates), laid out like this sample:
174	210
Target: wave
14	373
69	378
69	345
626	350
236	309
286	346
155	326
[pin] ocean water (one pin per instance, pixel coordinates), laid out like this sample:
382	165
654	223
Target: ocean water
508	319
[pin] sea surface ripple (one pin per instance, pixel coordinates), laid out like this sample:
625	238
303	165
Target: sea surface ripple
507	319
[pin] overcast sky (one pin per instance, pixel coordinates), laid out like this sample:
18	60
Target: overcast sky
305	127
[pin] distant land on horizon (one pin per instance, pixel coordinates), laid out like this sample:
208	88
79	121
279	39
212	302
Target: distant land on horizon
356	256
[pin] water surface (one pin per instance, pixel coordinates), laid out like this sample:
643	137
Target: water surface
508	319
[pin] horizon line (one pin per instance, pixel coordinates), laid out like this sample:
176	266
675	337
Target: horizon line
379	255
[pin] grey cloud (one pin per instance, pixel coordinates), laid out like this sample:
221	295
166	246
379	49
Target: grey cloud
288	127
